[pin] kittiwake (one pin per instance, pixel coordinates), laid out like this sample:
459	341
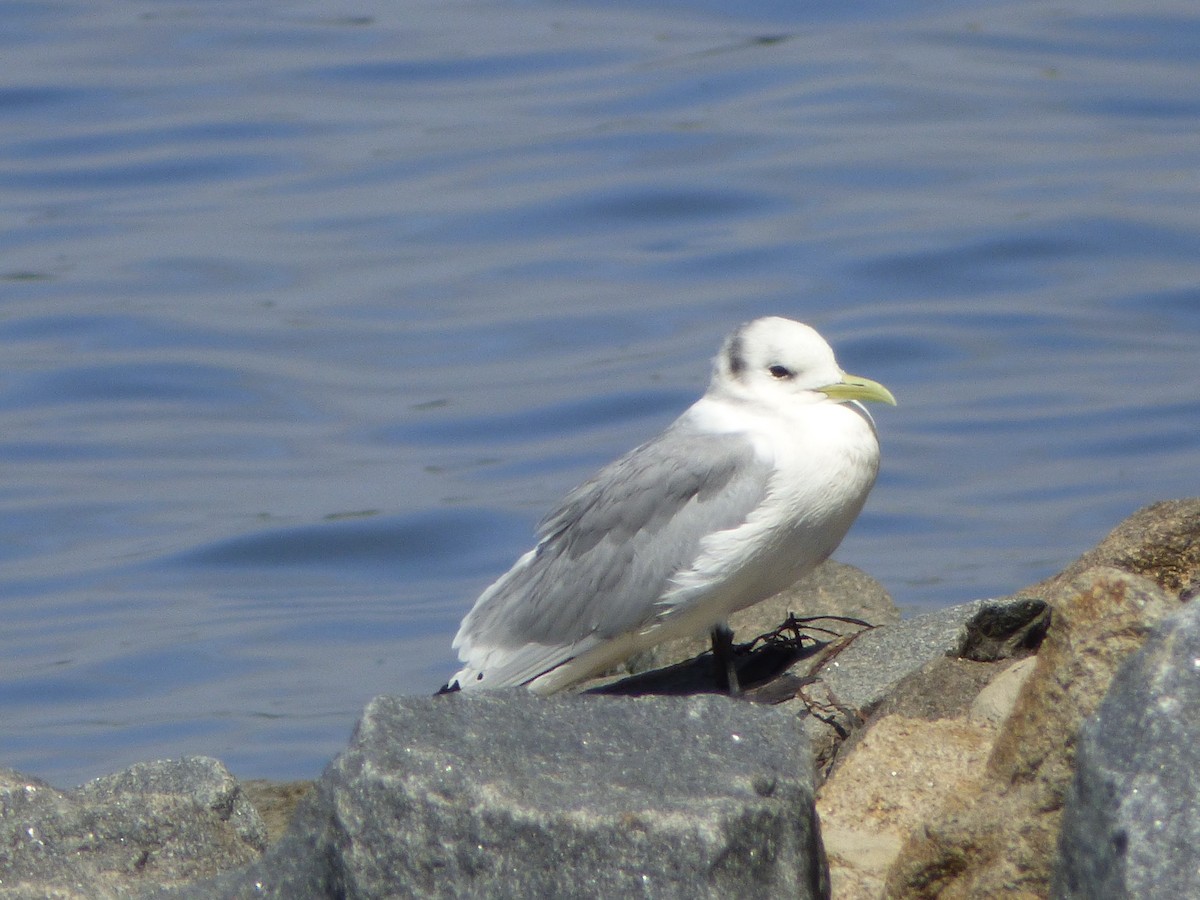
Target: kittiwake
748	490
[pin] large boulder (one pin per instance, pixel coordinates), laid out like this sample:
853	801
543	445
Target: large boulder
505	794
1131	825
158	823
998	839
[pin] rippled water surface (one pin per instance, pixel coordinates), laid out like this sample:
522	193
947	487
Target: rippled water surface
308	312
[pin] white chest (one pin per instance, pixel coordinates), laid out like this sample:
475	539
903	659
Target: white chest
824	461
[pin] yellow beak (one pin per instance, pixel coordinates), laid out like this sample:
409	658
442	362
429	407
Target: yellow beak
853	387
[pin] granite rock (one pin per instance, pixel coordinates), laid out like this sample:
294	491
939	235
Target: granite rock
1131	824
999	840
506	794
876	661
154	824
841	692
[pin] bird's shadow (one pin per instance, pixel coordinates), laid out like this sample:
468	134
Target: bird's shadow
765	666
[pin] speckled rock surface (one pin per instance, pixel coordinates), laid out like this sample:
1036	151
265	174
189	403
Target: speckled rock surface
505	794
1131	825
154	824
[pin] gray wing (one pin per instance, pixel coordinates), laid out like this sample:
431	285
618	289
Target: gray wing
607	554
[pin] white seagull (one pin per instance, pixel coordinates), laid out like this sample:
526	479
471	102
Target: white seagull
751	488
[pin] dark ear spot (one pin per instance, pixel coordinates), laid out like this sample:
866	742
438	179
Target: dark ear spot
736	354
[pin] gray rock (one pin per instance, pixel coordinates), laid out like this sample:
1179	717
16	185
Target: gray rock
836	683
505	794
1131	824
839	693
157	823
998	838
863	673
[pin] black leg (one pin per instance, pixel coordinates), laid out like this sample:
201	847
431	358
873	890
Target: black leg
726	670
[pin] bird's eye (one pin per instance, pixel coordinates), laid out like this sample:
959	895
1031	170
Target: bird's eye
780	371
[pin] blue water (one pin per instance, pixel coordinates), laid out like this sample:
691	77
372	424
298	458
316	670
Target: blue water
308	313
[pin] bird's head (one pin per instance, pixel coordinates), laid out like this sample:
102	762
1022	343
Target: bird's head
781	361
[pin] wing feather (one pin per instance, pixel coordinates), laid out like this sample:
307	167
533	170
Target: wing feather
608	553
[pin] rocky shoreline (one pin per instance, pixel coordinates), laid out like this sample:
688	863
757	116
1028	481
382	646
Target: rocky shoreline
1041	745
